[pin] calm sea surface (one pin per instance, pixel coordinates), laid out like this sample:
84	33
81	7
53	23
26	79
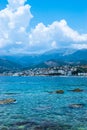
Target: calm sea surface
37	109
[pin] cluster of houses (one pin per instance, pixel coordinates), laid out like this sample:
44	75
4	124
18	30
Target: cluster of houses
58	71
53	71
82	74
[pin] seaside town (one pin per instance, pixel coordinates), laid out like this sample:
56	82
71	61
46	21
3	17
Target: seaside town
52	71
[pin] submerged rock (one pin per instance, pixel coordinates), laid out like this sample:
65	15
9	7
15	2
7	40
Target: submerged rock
7	101
24	123
77	90
76	106
53	127
39	128
11	93
4	128
59	91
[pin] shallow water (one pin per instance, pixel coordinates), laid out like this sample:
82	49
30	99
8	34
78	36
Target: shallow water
36	109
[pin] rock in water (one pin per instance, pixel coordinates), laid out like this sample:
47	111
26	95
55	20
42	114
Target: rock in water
59	91
77	90
7	101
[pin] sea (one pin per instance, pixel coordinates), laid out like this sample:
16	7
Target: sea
39	107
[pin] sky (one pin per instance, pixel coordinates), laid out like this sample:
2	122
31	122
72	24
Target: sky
35	26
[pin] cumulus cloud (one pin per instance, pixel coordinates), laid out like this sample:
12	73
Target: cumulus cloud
14	38
14	20
56	35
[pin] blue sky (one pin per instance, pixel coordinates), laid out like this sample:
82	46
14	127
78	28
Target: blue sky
62	19
74	11
47	11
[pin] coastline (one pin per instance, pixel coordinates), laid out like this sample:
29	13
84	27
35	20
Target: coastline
43	76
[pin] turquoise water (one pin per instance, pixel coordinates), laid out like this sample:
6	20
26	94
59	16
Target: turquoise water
37	109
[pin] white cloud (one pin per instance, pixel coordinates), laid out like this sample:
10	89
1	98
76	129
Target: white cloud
79	46
14	22
58	34
15	4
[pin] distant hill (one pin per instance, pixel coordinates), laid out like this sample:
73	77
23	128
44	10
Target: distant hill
79	57
48	64
48	59
27	60
6	65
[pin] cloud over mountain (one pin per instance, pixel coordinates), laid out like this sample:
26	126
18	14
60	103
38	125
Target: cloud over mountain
14	37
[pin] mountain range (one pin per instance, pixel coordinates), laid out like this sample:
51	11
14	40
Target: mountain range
48	59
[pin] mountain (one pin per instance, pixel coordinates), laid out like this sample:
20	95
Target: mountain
79	57
51	58
32	59
6	65
48	64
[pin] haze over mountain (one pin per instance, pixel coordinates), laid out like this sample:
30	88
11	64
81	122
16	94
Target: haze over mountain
49	59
